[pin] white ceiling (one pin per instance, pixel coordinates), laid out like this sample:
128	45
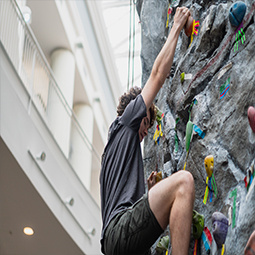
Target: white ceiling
50	33
22	206
116	14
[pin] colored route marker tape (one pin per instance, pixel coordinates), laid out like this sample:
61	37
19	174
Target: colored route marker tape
224	88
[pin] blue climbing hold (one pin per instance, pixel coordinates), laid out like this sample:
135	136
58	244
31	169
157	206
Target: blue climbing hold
236	13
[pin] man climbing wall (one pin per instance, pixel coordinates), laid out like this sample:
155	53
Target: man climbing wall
132	220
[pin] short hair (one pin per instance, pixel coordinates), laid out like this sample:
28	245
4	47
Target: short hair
125	99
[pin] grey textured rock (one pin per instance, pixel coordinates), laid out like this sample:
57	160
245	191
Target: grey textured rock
211	59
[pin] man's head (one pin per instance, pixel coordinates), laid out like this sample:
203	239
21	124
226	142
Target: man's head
144	126
147	122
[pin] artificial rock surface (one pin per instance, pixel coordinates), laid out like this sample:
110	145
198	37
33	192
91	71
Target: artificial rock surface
211	59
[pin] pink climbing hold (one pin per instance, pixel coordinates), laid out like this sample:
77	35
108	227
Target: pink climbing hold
251	117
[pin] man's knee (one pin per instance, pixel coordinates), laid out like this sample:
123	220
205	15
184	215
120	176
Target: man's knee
186	183
187	177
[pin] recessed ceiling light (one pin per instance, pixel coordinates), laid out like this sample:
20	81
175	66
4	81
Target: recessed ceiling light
28	231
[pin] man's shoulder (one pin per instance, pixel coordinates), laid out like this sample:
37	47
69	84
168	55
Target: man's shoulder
114	127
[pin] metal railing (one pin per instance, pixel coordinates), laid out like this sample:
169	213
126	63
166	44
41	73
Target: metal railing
31	65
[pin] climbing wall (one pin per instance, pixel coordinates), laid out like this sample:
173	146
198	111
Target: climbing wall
211	85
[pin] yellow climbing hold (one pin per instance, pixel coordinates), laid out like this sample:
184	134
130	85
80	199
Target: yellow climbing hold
209	163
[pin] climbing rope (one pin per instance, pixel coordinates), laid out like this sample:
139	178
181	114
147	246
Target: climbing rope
133	57
131	47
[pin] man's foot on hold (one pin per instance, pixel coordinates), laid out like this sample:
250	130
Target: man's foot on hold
251	117
250	246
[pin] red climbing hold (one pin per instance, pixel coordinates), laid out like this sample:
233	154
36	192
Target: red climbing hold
251	117
189	26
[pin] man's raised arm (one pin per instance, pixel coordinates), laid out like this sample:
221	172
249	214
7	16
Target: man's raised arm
164	60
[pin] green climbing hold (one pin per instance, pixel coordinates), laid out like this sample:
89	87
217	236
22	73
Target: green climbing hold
198	221
163	244
159	115
189	131
182	75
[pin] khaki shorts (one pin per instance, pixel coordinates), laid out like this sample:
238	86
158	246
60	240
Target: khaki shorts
133	231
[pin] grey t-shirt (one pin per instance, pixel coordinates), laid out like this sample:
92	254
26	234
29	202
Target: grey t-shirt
122	175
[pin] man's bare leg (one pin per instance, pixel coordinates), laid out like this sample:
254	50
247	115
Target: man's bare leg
171	201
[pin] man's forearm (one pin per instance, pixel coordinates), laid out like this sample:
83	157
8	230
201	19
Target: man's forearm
164	60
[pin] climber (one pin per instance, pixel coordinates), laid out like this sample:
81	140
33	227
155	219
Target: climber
250	246
133	219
